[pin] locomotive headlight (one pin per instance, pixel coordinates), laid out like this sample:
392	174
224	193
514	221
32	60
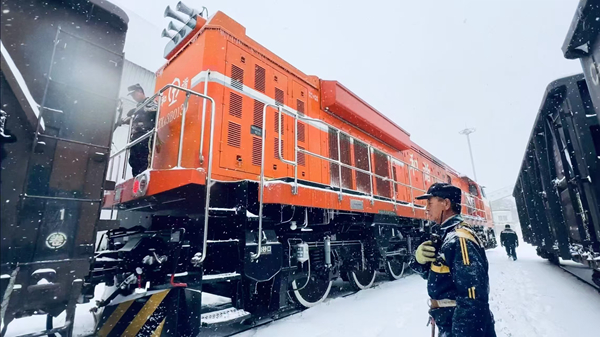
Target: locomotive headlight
140	184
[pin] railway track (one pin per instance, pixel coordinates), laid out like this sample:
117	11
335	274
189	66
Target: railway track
339	290
584	274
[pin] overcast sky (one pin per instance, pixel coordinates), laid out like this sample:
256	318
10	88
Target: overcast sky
434	67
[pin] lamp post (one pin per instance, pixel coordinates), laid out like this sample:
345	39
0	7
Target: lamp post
467	132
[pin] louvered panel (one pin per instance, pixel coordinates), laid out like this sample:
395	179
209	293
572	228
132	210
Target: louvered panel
276	148
333	154
276	123
301	132
301	157
234	135
256	151
235	105
257	119
237	77
279	97
259	78
381	168
346	158
361	158
395	178
300	107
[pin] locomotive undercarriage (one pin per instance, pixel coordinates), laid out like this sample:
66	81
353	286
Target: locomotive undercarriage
159	243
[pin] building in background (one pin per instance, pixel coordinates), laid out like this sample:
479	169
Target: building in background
504	209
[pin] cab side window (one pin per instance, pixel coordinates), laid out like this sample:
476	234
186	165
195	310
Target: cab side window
473	190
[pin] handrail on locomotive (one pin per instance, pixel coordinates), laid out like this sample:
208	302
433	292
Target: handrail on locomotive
153	133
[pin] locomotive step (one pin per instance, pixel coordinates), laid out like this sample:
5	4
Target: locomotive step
223	317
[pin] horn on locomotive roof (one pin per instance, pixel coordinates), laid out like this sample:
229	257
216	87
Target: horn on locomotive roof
170	35
191	22
176	27
191	12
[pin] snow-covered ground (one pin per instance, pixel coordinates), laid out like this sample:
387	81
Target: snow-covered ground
529	297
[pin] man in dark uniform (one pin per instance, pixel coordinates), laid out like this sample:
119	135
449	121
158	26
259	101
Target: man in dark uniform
5	136
456	269
143	121
510	241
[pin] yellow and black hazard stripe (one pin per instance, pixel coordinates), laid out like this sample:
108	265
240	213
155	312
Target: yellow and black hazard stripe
144	316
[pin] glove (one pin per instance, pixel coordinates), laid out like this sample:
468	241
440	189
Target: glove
425	253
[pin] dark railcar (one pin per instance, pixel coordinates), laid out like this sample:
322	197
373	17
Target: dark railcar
61	67
583	42
558	190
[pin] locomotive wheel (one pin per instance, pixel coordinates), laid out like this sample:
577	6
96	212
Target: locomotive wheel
311	293
394	268
363	279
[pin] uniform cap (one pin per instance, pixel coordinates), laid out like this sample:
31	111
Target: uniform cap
135	87
444	191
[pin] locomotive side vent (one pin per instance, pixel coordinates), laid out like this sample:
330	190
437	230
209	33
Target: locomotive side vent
301	126
395	172
279	97
361	158
259	78
234	135
256	151
235	105
257	119
237	77
301	132
276	123
346	158
381	165
333	154
300	107
301	157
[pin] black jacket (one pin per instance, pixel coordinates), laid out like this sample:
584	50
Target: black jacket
508	237
460	274
143	119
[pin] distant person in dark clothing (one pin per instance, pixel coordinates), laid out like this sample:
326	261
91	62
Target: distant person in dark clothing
143	122
456	269
510	241
5	135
